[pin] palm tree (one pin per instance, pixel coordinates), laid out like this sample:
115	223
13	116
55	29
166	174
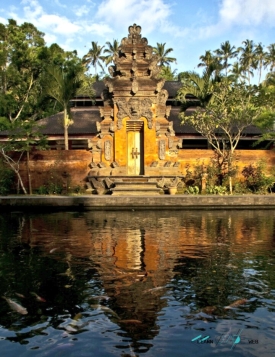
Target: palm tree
62	85
167	73
247	58
225	53
200	87
112	51
237	73
94	57
162	54
260	56
270	57
211	63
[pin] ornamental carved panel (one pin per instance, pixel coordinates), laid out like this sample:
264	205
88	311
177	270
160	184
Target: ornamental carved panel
107	150
162	149
134	108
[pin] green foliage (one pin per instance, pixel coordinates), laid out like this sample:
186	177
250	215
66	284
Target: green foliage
4	123
167	73
94	57
21	64
216	190
192	190
256	180
6	179
162	53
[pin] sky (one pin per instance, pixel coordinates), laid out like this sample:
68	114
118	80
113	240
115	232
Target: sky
188	27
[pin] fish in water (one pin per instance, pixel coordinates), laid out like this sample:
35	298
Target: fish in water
236	304
105	309
154	289
16	307
38	298
130	321
21	295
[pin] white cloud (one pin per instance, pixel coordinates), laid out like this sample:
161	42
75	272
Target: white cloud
147	14
50	38
53	24
57	24
81	10
248	12
98	29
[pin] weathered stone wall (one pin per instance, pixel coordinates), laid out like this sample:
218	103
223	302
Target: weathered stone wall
72	167
68	168
244	158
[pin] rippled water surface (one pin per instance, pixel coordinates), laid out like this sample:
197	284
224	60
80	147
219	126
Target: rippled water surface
158	283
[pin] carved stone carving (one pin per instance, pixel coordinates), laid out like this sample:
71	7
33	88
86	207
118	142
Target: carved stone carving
109	83
134	109
134	86
170	142
107	150
163	96
160	84
162	149
98	126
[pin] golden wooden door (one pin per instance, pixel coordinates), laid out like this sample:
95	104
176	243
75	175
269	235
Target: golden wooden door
135	149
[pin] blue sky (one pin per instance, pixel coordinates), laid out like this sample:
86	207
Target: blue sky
189	27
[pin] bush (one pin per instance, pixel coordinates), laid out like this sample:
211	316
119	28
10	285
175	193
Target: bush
7	177
256	180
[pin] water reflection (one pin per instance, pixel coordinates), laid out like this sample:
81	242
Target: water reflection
140	282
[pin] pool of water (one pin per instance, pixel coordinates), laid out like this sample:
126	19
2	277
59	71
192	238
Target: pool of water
158	283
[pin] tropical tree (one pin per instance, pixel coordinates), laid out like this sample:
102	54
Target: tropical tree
232	108
200	86
94	57
162	53
236	73
23	135
260	58
270	57
167	73
247	58
21	65
112	50
211	63
225	53
62	84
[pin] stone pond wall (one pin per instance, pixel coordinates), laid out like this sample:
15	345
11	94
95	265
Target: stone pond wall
70	168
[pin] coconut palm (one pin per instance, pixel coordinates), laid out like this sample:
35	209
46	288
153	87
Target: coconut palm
247	58
270	57
260	56
162	53
211	63
225	53
94	57
62	85
237	73
112	51
199	86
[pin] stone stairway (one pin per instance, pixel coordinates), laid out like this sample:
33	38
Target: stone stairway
135	186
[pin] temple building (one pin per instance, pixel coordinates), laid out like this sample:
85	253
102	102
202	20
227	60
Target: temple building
132	127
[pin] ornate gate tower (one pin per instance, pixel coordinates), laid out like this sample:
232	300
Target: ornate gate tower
135	137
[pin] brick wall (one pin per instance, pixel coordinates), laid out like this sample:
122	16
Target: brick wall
72	166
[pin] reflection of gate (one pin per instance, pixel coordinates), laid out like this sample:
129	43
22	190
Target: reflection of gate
135	154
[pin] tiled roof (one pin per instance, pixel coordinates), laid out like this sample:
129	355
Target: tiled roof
84	118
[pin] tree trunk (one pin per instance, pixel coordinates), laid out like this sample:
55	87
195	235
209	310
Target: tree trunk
29	173
66	138
9	161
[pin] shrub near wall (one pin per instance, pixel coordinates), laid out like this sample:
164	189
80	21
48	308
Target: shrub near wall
191	158
75	163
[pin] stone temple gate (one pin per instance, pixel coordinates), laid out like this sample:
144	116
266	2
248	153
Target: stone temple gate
135	138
